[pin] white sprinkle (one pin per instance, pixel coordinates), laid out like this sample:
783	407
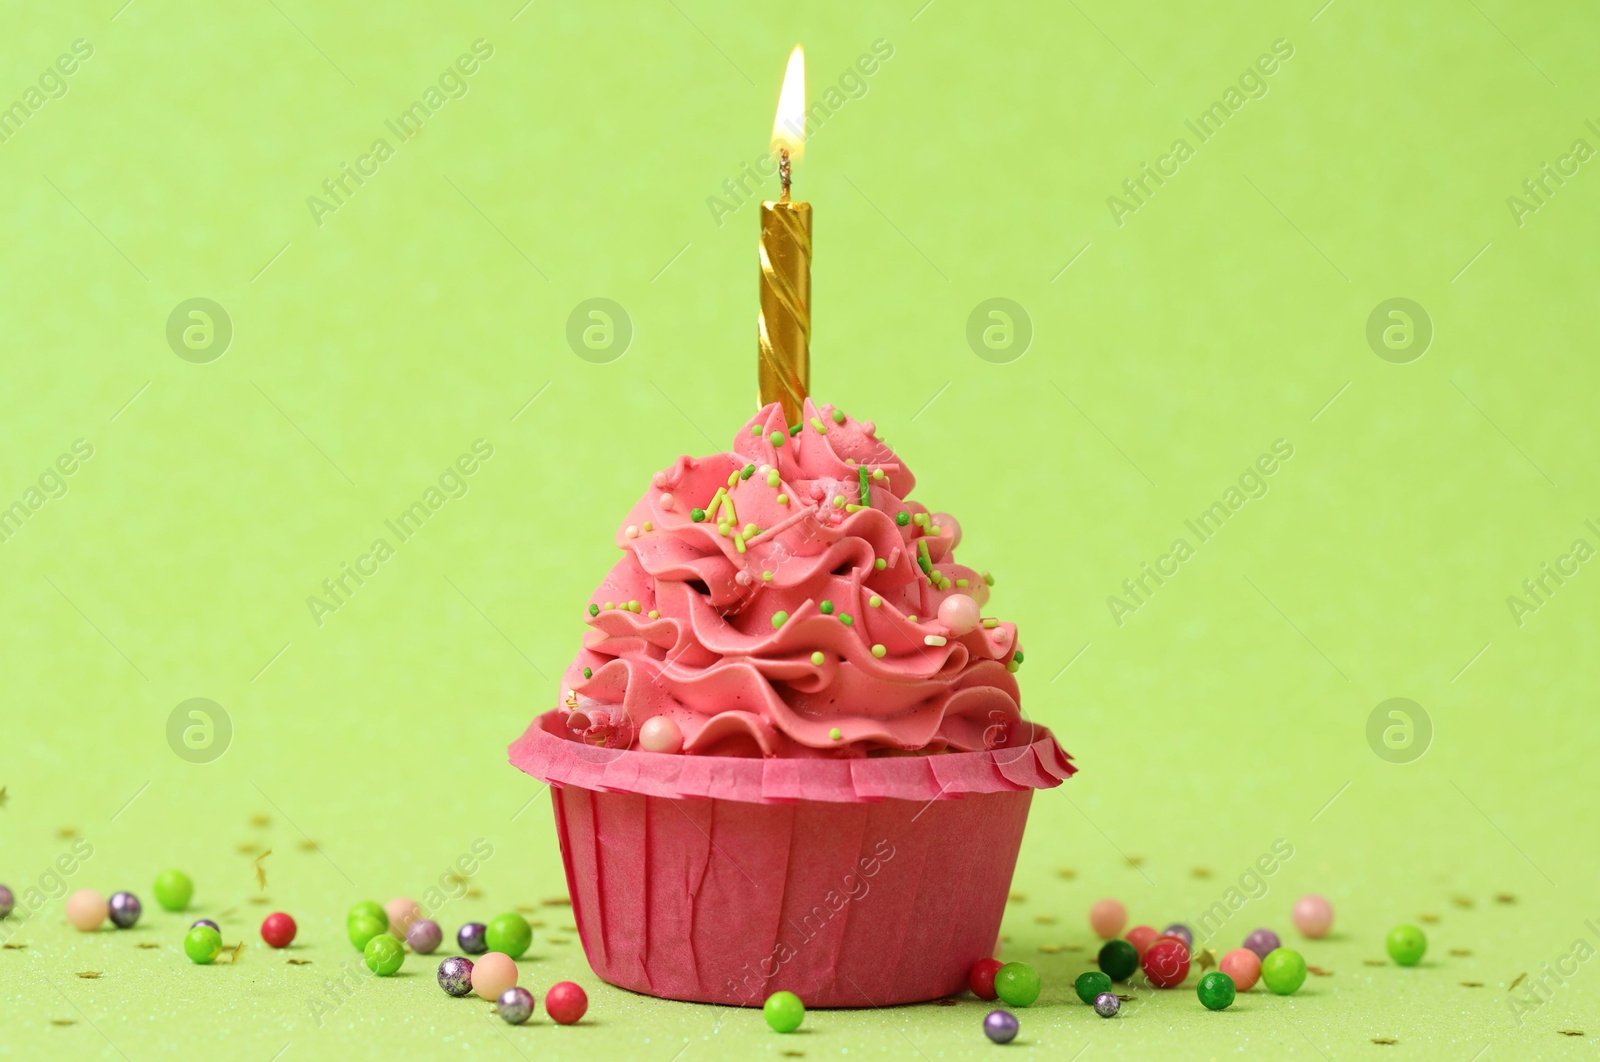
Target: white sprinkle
666	501
631	532
933	639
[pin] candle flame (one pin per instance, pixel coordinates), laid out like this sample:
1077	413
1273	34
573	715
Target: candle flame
789	127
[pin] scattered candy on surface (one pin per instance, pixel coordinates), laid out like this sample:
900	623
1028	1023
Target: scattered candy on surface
1017	983
1000	1026
86	909
173	890
981	978
1313	916
1182	932
363	927
470	938
1243	966
205	922
202	944
455	975
493	974
8	902
125	909
515	1005
1118	959
566	1003
1140	937
1263	942
1406	945
509	934
660	734
384	955
1283	971
1106	918
784	1011
278	930
1216	991
1106	1004
368	909
425	936
400	913
1166	962
1091	983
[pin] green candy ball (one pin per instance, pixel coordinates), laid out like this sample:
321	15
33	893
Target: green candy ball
1118	960
509	933
202	944
1017	983
1283	971
368	909
784	1011
363	928
384	954
1406	945
173	890
1090	984
1216	990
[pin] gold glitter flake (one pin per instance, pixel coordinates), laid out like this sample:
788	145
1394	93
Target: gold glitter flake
1428	919
1515	983
88	975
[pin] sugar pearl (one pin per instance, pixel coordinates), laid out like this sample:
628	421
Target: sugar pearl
1313	916
1244	966
660	734
493	974
86	909
960	613
631	532
402	912
1106	918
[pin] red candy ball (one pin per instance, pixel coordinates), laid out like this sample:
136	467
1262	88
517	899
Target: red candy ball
278	930
1166	962
1140	937
565	1003
981	979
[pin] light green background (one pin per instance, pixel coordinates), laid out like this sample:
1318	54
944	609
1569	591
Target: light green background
1228	312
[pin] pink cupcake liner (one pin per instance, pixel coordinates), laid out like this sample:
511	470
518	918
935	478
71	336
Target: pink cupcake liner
851	883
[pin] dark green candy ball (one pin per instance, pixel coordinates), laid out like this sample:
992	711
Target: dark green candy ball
1090	984
1118	960
1216	991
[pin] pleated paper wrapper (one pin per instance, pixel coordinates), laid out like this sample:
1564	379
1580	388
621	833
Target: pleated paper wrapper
851	883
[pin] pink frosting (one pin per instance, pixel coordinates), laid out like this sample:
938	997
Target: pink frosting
684	627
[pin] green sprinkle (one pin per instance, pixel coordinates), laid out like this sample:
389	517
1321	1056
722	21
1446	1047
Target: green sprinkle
796	429
961	582
936	575
773	479
632	606
921	519
988	579
879	565
866	492
821	428
844	618
817	658
1012	667
697	515
766	577
755	429
902	518
594	610
875	601
738	542
779	618
827	608
838	501
749	530
587	673
911	619
879	651
783	499
653	614
836	734
838	416
610	605
990	623
1017	656
733	477
776	438
747	471
877	474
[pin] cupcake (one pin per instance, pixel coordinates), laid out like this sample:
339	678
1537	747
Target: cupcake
790	754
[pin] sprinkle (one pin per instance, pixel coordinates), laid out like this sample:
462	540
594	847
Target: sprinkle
921	519
827	608
723	527
772	478
779	618
875	601
610	605
594	610
697	515
733	477
852	507
844	618
866	491
1012	667
749	530
821	428
648	526
879	565
902	518
990	623
838	416
632	606
1017	656
783	499
588	673
817	658
755	429
879	651
922	556
796	429
738	543
653	614
961	582
776	438
933	639
911	619
988	580
838	501
836	734
631	531
766	577
747	471
877	474
936	575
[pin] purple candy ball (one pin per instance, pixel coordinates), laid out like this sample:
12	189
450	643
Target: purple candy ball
515	1005
455	975
1000	1026
472	938
1263	942
1182	932
205	922
125	909
424	936
8	901
1106	1004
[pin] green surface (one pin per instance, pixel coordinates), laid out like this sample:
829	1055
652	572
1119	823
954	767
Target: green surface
1172	347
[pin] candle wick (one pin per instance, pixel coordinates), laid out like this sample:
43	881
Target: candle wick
783	171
